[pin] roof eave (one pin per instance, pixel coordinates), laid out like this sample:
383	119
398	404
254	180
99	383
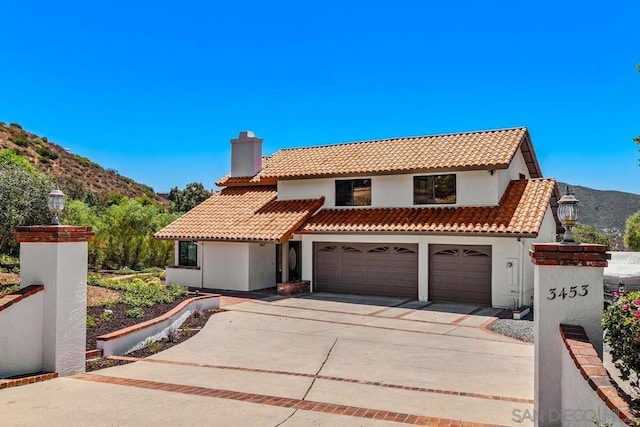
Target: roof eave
396	172
430	233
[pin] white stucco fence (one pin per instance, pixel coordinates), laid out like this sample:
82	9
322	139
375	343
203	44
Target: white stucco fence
21	336
581	405
125	340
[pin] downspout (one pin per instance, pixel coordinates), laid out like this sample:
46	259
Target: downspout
521	273
201	244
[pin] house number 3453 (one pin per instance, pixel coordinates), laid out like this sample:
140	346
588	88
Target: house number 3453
574	291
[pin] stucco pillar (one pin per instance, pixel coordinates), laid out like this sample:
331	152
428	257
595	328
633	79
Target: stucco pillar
56	257
567	289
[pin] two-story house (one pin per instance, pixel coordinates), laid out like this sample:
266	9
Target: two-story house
442	218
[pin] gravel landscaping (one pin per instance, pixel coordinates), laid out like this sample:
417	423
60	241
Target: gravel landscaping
519	329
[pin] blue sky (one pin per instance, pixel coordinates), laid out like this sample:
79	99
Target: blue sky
156	89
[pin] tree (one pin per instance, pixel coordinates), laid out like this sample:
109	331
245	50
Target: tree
77	212
24	193
192	195
632	232
585	233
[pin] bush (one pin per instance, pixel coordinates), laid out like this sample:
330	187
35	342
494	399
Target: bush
45	152
8	261
92	321
621	322
19	139
135	313
7	289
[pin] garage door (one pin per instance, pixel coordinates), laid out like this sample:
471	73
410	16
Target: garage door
460	273
370	269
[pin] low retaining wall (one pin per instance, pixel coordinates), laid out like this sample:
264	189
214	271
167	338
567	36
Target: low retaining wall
123	340
293	288
588	392
21	320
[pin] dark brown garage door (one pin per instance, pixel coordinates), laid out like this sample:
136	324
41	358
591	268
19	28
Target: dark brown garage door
460	273
370	269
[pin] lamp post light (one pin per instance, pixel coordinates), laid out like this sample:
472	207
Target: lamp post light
568	214
56	204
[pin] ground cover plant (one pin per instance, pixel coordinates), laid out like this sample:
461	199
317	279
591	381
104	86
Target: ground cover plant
118	303
126	300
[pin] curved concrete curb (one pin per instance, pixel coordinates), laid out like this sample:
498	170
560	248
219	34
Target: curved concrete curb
118	342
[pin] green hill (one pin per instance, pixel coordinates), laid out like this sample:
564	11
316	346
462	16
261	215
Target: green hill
75	174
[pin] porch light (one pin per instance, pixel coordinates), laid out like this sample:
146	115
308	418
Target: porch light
56	205
622	288
568	214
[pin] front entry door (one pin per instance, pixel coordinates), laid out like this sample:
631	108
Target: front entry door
293	261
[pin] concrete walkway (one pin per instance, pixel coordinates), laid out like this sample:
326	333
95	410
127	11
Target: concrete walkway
317	360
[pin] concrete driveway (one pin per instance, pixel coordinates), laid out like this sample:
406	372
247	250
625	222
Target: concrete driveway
322	359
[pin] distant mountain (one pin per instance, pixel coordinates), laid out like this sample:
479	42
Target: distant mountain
606	210
75	174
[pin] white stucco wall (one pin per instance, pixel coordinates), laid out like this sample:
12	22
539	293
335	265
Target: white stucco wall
516	167
262	266
547	234
238	266
21	336
581	405
62	269
474	188
225	265
185	276
504	250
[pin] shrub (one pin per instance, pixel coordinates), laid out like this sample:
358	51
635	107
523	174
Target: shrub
45	152
7	289
8	261
621	322
91	321
19	139
134	313
15	125
173	334
197	311
153	346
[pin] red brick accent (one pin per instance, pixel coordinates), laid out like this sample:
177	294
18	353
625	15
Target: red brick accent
93	354
143	325
12	298
387	328
298	404
579	255
327	378
53	234
27	379
292	288
593	371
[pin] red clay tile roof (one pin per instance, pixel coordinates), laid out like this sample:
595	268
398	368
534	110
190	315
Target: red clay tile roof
242	213
460	151
520	212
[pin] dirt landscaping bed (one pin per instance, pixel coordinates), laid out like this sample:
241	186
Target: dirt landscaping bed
188	329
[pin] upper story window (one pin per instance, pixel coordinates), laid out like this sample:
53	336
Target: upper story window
353	192
434	189
187	254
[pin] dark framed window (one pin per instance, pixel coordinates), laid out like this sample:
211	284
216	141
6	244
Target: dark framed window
353	192
434	189
187	254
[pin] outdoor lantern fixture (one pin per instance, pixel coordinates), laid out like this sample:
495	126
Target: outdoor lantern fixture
56	204
568	214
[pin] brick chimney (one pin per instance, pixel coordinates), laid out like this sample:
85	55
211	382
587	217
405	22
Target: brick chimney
246	154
